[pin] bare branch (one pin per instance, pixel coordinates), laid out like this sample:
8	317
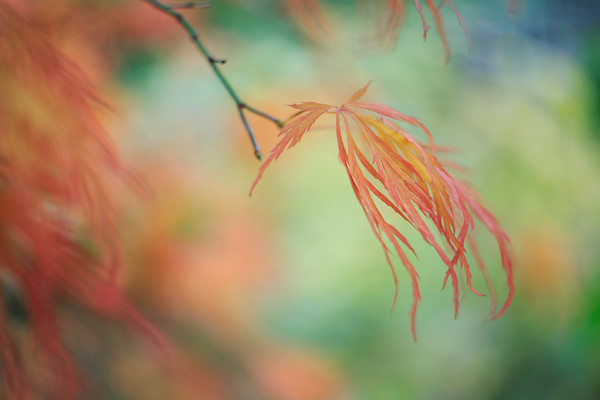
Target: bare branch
241	106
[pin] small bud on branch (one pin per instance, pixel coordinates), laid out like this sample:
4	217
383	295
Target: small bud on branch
189	5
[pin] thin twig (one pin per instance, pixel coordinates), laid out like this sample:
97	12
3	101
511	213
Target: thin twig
188	5
241	106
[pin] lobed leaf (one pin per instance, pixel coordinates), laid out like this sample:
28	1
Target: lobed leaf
385	164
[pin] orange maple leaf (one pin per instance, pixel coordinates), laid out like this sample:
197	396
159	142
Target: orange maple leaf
405	175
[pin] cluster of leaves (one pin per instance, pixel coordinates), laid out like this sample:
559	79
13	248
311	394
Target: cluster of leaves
311	15
392	167
58	237
58	168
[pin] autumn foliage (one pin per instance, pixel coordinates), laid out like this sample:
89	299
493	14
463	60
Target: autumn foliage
60	222
59	238
314	19
387	165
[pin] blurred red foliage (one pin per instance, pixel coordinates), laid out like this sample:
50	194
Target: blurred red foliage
59	234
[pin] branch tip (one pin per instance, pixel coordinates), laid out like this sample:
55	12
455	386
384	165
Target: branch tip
170	9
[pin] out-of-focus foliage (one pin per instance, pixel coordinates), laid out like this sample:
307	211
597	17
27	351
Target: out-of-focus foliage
263	298
387	25
59	221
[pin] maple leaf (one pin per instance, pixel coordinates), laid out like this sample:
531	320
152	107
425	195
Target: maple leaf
388	166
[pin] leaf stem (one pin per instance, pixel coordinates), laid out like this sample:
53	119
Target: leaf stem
214	64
